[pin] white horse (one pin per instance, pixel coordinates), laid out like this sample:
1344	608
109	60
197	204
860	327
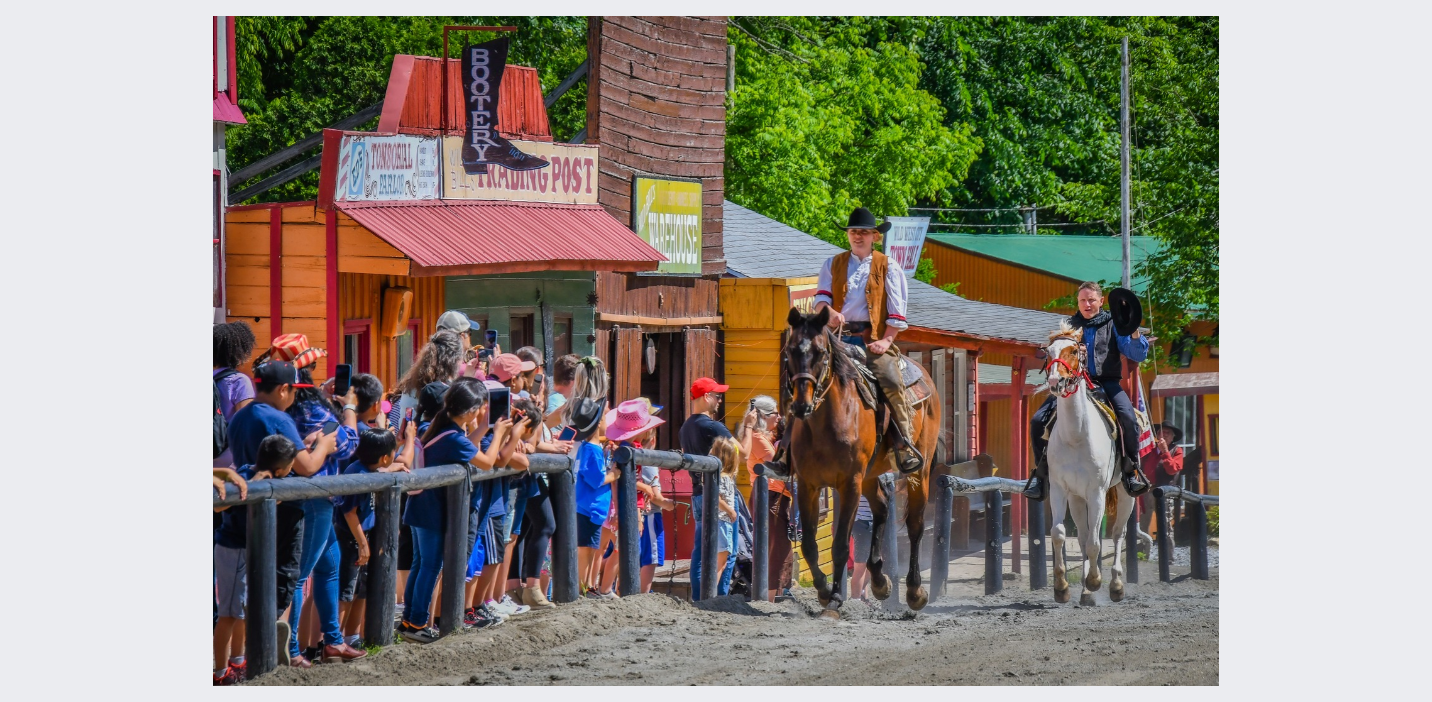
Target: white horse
1083	461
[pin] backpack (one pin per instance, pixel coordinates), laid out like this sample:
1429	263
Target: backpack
221	425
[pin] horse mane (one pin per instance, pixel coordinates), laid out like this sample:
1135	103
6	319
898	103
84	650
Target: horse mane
1065	331
841	363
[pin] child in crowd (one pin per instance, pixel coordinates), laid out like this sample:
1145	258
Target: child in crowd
539	522
275	457
632	423
729	451
860	545
276	385
509	500
353	515
233	342
593	487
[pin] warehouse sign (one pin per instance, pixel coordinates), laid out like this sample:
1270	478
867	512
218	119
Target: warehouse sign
400	167
905	240
569	175
667	215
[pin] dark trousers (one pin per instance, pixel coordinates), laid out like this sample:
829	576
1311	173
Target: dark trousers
536	534
1123	410
779	570
289	548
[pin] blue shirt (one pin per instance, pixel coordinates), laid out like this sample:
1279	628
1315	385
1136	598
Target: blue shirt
594	495
232	530
362	502
254	423
428	508
1135	350
310	417
489	496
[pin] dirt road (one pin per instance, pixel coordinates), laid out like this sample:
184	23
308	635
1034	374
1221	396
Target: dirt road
1161	634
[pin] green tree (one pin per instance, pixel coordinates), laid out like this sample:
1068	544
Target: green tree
824	119
300	74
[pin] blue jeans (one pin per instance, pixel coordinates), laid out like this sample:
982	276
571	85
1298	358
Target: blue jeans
423	578
722	587
321	559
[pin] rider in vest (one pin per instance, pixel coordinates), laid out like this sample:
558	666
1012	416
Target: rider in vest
1105	348
867	294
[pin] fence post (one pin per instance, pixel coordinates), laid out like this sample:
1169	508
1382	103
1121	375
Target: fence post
891	545
710	493
1198	550
564	538
1165	538
994	550
260	557
381	605
960	526
454	573
1131	545
1038	568
940	555
761	550
629	574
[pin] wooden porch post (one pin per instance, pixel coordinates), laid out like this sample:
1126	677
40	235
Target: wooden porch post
1016	455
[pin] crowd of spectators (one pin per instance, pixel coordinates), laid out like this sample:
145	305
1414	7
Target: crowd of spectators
274	421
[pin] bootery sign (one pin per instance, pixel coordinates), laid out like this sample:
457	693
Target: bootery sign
667	215
398	167
905	240
482	68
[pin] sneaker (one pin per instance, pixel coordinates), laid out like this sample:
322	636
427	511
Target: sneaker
491	612
417	634
509	607
476	619
313	653
241	670
535	598
356	641
592	595
229	677
341	653
281	633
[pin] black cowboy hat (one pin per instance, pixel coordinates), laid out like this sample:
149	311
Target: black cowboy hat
1177	433
862	219
587	417
1128	313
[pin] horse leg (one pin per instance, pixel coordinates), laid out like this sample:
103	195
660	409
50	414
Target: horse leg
880	584
1056	541
809	496
848	500
1121	520
1092	545
915	487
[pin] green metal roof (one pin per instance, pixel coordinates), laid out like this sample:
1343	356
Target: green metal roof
1077	258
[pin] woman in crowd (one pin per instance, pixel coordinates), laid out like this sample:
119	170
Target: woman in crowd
758	435
534	534
233	342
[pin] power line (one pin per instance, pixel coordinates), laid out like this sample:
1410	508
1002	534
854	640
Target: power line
988	209
1017	224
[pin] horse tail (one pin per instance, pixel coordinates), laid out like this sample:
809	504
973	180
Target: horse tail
1111	507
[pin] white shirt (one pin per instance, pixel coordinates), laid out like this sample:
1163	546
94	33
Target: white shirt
857	276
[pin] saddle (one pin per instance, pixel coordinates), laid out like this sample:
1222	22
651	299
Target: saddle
1106	411
917	390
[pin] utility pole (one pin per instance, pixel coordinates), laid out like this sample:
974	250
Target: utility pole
1124	161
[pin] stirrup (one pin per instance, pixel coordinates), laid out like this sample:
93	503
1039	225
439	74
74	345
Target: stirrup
1134	480
917	464
1035	489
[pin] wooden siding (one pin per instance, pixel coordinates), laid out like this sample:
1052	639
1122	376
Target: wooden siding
361	251
991	280
656	296
360	297
656	104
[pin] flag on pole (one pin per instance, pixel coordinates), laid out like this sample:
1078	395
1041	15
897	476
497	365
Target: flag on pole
1146	435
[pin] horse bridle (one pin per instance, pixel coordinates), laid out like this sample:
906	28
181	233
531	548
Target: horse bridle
1073	375
821	384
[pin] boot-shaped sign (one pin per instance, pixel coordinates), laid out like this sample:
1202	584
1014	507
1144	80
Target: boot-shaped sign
482	67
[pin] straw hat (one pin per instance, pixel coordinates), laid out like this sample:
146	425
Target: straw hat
630	419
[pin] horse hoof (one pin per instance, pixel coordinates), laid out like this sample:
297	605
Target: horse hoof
1116	592
881	590
1061	596
1093	583
1086	599
918	599
830	614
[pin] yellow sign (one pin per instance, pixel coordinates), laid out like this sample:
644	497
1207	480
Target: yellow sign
667	215
569	178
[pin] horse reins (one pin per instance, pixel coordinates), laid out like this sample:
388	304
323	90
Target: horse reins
1073	374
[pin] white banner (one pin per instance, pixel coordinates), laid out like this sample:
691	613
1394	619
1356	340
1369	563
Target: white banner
905	240
570	176
400	167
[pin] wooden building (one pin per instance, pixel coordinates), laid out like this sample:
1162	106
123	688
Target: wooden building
771	268
1033	271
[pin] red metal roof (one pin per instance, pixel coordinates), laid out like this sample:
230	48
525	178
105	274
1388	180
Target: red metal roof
475	237
225	111
414	100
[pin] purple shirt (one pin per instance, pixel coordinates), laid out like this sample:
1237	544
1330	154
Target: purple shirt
232	390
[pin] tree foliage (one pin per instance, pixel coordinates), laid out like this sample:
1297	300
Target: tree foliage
298	75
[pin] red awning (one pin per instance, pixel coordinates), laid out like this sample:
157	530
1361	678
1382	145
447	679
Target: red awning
1173	384
454	237
225	111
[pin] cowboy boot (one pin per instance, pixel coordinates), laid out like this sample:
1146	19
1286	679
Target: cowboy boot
1038	486
1134	481
908	458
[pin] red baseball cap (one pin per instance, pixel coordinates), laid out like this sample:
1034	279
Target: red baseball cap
705	385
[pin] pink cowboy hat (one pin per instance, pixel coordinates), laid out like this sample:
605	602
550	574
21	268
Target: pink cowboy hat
629	419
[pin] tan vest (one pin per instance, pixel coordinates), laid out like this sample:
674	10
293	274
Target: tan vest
874	290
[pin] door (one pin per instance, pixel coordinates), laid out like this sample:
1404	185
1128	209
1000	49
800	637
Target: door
626	365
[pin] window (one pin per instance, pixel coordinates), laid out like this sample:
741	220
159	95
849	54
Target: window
520	332
1181	412
356	344
407	347
561	335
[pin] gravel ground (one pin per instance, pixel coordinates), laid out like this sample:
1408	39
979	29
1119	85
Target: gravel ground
1161	634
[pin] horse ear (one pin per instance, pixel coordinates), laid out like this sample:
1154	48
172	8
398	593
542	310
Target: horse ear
821	318
795	318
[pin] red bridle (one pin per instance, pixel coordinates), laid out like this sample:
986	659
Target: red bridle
1073	387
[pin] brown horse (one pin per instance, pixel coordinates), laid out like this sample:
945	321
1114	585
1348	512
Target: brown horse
832	444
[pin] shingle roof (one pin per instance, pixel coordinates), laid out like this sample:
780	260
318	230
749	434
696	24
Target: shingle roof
1078	258
760	247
